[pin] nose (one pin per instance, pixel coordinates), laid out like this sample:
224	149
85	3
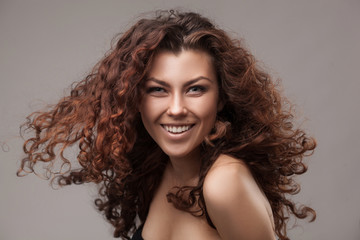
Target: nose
177	106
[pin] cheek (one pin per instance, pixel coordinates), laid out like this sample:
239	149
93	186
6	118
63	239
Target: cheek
207	113
206	110
145	112
151	107
146	119
150	111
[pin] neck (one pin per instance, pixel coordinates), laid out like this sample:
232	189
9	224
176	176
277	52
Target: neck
185	170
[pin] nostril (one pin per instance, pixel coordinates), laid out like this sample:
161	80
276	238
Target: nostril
173	111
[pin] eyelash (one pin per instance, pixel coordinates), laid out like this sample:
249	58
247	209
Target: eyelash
200	89
155	89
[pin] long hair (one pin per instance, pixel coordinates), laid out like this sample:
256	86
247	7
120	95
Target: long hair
101	117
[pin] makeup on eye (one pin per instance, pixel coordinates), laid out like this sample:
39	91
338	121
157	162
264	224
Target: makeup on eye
194	87
155	89
192	90
197	89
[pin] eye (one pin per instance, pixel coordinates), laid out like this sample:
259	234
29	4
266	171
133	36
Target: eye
155	89
196	89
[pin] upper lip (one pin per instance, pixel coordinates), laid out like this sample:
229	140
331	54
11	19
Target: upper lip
177	124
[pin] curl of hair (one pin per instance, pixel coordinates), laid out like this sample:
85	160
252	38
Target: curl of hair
101	117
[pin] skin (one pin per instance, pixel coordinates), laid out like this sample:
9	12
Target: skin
181	91
235	203
178	110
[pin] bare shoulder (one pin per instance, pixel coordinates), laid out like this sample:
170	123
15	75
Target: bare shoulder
235	203
227	175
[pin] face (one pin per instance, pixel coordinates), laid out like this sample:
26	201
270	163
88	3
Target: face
181	101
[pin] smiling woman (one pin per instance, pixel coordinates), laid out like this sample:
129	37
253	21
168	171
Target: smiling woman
187	137
181	102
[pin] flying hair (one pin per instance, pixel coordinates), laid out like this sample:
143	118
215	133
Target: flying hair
100	117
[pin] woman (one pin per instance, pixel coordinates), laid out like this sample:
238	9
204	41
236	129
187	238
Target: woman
186	135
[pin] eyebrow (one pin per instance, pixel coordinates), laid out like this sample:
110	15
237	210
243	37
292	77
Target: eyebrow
188	83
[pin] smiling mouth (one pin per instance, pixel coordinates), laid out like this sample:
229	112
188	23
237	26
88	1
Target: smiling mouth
177	129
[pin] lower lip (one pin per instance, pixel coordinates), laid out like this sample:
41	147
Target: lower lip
178	136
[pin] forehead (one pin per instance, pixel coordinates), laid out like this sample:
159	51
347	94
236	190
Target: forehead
185	65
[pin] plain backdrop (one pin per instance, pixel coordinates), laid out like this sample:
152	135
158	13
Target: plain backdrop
312	45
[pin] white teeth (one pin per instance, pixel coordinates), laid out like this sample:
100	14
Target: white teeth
177	129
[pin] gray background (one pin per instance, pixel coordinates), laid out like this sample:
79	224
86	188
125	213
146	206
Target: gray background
313	46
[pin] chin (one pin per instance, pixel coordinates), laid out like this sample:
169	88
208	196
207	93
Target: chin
181	153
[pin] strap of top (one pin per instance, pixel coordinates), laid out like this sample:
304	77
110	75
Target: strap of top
137	234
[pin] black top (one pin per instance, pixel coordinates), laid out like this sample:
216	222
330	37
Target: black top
137	234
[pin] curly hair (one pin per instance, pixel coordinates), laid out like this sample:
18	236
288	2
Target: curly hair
115	151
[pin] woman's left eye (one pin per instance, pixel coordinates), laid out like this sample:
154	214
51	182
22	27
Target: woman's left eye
196	89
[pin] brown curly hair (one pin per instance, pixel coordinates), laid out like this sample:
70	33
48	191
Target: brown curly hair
115	151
